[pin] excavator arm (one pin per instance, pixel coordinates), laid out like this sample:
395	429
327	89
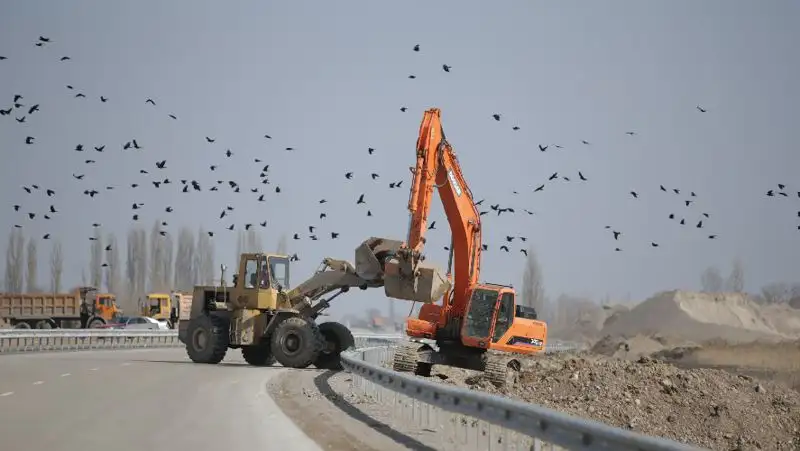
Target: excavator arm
437	167
341	275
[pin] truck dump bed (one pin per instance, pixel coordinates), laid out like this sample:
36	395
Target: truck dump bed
40	305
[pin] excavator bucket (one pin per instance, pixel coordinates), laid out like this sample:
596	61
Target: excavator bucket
427	284
371	254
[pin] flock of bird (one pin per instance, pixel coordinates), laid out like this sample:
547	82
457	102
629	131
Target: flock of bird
782	193
22	111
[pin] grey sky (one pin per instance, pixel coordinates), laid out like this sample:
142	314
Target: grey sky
328	78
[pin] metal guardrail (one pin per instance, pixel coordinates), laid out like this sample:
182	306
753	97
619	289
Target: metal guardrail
488	422
20	340
31	340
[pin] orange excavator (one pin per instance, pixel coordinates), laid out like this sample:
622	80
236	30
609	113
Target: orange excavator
475	325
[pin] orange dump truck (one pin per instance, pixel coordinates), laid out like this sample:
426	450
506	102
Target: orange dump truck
83	308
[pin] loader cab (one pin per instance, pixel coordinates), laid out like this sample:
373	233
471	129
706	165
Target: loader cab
260	279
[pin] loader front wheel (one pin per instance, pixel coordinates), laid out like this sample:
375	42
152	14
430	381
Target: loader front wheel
338	338
259	355
296	342
207	339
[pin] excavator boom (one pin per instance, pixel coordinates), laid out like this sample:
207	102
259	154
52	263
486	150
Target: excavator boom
437	167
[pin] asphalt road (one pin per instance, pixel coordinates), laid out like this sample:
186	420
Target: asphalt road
139	399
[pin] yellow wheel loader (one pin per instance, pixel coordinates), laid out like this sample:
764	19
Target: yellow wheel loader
270	321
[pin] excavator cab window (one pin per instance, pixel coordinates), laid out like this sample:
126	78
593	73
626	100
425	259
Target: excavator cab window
279	272
480	314
251	273
505	316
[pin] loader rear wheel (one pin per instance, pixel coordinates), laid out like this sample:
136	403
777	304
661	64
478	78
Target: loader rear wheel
259	355
296	342
338	338
207	339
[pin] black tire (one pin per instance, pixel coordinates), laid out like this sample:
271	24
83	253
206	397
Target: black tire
95	322
296	342
44	324
207	339
22	326
338	338
258	355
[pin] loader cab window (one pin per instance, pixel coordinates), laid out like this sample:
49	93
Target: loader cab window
279	272
251	273
505	316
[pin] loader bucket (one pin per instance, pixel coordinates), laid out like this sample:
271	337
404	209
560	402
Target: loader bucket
427	286
371	254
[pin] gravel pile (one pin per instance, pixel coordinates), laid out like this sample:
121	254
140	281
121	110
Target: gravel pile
710	408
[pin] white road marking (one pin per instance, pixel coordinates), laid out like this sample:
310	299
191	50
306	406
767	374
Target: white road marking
92	369
38	383
125	364
65	375
8	393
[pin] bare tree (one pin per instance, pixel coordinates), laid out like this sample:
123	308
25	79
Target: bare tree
56	267
532	284
142	261
33	267
283	245
96	259
776	293
130	265
157	280
253	242
15	261
711	280
240	245
735	281
167	261
113	273
137	265
185	260
204	259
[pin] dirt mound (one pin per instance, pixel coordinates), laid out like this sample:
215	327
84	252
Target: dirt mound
704	407
784	318
695	317
632	347
779	362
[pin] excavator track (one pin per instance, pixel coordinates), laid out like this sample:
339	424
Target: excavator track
501	371
406	360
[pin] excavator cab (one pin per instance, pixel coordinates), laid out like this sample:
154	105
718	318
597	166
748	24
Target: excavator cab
494	321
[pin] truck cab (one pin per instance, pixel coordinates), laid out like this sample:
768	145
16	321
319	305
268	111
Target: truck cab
97	308
156	306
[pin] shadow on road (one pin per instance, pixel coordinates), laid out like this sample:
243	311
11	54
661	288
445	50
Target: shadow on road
323	385
227	364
